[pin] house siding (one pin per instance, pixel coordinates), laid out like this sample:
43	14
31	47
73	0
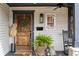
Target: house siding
4	29
61	23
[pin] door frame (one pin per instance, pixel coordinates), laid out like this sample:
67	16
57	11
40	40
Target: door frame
14	20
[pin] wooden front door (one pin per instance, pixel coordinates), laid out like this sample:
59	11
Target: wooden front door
24	28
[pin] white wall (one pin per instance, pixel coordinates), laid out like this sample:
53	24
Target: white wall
77	25
4	29
61	23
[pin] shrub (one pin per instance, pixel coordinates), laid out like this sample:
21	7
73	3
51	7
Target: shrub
43	40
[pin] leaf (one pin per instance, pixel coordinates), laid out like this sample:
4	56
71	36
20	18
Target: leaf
45	39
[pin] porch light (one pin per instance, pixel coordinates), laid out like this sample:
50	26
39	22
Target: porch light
41	18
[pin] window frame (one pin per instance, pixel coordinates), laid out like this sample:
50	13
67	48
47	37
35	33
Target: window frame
54	23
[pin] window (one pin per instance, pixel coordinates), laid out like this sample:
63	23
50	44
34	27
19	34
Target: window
49	21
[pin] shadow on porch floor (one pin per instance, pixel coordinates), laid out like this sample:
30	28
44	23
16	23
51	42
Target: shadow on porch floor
58	53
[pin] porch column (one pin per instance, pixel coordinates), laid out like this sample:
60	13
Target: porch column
76	24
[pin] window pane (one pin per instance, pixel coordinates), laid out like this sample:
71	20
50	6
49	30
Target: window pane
50	21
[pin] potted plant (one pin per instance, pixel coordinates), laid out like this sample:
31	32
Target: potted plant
41	43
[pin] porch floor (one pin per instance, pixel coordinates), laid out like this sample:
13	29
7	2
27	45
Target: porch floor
58	53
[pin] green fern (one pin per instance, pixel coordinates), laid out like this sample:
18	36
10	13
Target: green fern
43	39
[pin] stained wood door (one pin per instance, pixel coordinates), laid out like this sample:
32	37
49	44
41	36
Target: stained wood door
24	28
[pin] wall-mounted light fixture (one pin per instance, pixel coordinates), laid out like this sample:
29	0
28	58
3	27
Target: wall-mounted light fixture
41	18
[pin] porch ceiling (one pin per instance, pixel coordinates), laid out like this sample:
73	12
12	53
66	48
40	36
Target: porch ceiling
36	4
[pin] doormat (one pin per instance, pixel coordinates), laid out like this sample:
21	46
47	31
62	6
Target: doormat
24	53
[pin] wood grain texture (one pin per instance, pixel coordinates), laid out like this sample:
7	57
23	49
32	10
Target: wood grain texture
23	37
23	47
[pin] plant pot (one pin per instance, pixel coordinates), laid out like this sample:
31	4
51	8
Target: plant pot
40	51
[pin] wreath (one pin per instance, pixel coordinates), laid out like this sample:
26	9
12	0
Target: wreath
24	23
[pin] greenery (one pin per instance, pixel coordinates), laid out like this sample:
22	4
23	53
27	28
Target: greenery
24	23
43	40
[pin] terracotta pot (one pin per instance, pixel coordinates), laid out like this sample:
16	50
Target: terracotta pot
40	51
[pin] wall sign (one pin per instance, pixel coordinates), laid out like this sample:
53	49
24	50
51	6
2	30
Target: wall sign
39	28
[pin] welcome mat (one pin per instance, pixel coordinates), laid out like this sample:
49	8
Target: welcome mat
24	53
